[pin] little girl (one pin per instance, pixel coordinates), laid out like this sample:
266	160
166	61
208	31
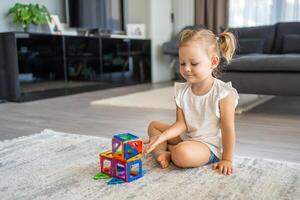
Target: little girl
204	131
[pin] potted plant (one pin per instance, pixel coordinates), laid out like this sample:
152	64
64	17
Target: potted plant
27	14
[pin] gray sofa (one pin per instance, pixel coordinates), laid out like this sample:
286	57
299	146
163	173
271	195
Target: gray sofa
267	60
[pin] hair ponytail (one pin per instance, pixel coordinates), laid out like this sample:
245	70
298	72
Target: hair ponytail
227	45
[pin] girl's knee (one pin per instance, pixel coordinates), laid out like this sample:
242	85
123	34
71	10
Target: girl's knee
181	156
152	126
190	154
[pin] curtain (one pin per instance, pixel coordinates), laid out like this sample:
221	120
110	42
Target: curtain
262	12
212	13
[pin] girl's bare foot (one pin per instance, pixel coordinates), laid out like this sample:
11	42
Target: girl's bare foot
163	158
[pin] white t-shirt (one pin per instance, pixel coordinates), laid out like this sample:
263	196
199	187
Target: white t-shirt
202	114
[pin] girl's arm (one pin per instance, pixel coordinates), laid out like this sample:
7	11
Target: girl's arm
227	108
178	127
173	131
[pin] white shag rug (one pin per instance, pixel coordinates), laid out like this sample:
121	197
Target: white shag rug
163	98
53	165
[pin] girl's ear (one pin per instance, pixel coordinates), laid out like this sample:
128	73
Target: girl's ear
215	60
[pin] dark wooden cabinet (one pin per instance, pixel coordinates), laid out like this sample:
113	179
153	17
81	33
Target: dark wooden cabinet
34	66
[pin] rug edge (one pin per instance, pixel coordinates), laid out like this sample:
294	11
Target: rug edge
49	131
269	159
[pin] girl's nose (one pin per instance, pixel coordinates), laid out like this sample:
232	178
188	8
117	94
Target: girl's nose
187	68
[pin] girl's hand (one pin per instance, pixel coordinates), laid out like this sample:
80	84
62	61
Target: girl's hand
153	142
224	167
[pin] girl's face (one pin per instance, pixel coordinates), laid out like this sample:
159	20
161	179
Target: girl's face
195	64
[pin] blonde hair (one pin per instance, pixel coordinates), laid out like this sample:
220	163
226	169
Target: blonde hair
223	45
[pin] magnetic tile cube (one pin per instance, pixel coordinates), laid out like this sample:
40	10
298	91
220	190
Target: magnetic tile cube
126	146
128	171
107	163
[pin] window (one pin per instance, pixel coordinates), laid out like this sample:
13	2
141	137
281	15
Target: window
244	13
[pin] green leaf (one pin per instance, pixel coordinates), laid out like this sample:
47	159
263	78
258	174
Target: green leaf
35	21
14	8
25	14
15	19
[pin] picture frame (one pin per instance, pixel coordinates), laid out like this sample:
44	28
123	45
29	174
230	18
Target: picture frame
55	25
136	30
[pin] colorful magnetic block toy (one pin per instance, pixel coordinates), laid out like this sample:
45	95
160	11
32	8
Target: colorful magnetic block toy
126	146
123	162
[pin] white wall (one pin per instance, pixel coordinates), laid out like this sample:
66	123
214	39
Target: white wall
161	31
184	12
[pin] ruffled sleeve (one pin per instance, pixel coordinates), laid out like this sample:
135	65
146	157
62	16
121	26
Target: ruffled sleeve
178	90
224	90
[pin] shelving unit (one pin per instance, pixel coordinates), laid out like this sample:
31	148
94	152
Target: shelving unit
35	65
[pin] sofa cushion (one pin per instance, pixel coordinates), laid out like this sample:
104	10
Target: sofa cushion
250	45
282	29
291	44
265	63
264	32
170	48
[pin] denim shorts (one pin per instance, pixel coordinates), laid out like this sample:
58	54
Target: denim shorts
212	158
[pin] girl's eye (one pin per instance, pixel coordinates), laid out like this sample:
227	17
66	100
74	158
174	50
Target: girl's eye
194	64
182	64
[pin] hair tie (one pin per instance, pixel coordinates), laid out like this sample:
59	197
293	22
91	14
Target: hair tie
223	63
218	39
